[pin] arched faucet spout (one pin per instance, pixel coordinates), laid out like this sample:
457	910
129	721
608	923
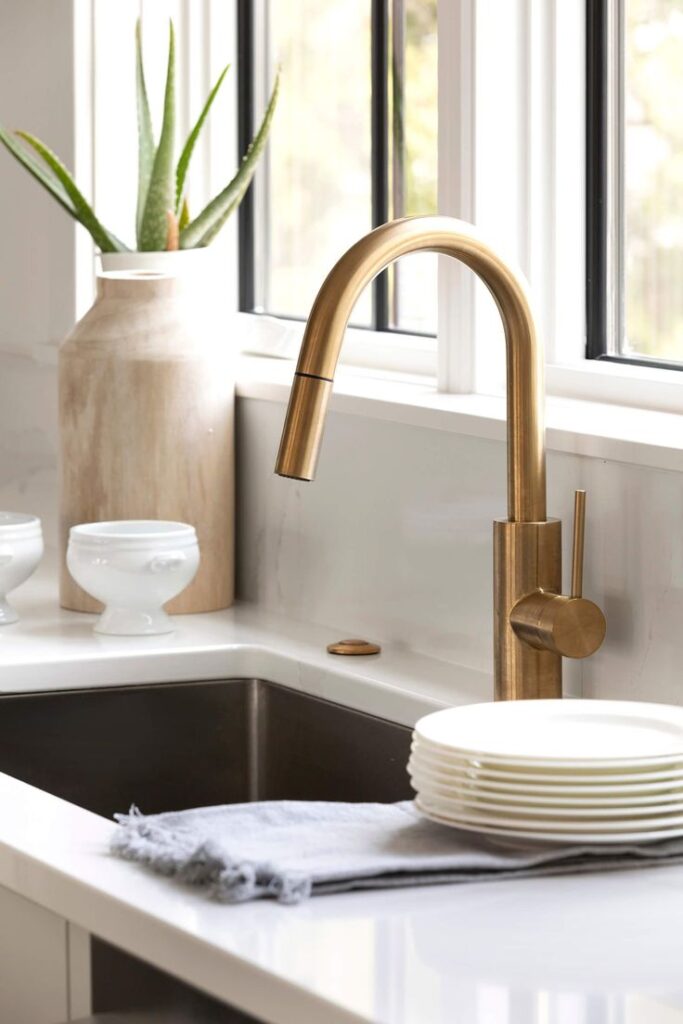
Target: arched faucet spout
329	317
534	624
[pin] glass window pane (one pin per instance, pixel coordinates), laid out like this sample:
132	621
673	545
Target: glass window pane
653	178
314	196
413	169
318	192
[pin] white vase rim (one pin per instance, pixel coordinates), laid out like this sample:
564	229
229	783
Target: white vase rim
133	272
176	271
111	261
149	254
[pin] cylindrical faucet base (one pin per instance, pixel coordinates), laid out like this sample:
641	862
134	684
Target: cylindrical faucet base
526	557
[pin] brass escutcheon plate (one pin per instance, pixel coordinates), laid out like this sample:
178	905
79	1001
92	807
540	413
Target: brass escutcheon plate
354	647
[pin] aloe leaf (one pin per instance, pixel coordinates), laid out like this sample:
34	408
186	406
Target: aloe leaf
146	145
44	177
82	208
161	190
206	225
188	148
184	218
218	224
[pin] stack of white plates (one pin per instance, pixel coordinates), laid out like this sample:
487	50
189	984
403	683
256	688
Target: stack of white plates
594	771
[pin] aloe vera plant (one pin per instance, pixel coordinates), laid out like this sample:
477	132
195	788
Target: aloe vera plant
162	219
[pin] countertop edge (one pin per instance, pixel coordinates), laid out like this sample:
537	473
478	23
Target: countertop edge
63	883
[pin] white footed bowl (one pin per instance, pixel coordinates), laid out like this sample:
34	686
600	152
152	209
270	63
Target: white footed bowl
21	549
133	566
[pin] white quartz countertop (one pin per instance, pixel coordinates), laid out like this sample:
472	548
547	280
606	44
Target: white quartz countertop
53	649
568	950
586	949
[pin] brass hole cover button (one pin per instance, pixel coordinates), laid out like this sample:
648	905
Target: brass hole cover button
353	647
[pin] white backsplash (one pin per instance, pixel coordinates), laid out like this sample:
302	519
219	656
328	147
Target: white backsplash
28	440
393	539
393	542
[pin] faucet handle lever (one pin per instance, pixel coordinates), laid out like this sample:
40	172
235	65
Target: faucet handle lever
570	626
577	550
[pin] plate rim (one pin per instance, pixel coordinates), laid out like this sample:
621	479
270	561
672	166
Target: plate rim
559	767
550	811
485	819
613	839
519	796
587	705
543	781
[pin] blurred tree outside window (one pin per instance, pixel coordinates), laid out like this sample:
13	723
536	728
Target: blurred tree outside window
320	189
652	169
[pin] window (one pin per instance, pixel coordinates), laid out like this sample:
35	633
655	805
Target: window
635	180
354	144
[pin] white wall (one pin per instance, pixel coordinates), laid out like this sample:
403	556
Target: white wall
393	539
393	542
37	263
37	248
28	439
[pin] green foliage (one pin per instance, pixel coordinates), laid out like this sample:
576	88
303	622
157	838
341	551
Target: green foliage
48	181
162	214
160	193
146	145
83	210
204	228
184	218
188	148
59	183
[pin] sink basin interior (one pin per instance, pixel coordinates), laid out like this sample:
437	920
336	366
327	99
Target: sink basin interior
172	746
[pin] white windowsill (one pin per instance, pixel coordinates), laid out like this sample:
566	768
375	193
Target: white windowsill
594	429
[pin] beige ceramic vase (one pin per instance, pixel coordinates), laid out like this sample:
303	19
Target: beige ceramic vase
146	414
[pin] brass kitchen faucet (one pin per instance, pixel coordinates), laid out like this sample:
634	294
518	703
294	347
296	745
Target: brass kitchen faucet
535	625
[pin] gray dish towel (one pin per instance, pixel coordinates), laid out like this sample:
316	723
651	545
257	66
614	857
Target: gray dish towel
290	850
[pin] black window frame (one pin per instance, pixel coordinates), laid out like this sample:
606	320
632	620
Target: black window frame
599	68
380	56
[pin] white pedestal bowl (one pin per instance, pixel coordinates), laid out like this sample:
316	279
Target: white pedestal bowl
133	567
21	549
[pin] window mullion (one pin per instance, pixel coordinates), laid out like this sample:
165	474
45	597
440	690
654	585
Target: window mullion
596	178
397	142
380	147
245	131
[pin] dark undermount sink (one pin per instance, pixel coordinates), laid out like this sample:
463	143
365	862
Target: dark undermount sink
170	746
